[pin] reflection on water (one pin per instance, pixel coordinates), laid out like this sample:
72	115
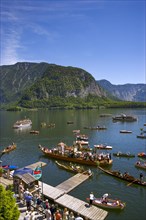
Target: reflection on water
22	129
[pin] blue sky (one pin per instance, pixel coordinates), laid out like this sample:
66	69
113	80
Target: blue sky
105	38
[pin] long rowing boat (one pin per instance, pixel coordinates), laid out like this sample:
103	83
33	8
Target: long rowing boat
140	165
125	176
74	168
110	204
103	147
8	149
74	157
120	154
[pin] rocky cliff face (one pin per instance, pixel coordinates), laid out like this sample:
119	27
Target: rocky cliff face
127	92
42	80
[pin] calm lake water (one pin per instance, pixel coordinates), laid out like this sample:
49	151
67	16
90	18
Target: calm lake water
27	151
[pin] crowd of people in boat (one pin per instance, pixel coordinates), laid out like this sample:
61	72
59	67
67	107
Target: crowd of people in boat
75	152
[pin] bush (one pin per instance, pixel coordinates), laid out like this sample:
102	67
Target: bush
8	207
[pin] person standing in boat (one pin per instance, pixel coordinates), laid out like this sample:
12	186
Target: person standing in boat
91	198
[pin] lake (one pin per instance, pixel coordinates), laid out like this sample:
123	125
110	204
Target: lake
27	151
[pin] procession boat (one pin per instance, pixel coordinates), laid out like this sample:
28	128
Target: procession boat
120	154
103	147
140	165
8	149
124	117
22	123
125	176
52	153
74	168
111	203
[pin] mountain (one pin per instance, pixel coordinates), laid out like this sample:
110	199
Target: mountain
127	92
37	83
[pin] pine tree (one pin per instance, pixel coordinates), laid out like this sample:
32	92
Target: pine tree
8	207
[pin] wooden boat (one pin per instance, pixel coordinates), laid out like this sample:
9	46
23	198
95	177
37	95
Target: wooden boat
124	117
9	149
125	131
141	136
22	123
70	122
74	157
74	168
142	154
111	203
82	142
125	176
82	137
120	154
103	147
34	132
98	128
105	115
140	165
76	131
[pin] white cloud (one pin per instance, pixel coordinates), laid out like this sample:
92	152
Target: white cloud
10	43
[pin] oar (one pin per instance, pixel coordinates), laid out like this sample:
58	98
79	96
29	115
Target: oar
129	184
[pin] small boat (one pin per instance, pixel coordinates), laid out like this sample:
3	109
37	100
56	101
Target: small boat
124	117
140	165
8	149
142	154
70	122
76	157
76	131
103	147
105	115
109	204
125	131
98	128
22	123
74	168
82	142
124	176
141	136
34	132
82	137
120	154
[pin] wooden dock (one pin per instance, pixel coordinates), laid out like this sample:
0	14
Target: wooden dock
34	165
81	207
59	195
73	182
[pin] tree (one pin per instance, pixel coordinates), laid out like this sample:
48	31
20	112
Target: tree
8	207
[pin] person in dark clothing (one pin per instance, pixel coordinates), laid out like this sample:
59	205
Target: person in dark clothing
141	177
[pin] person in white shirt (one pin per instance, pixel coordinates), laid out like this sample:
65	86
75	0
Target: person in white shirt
91	198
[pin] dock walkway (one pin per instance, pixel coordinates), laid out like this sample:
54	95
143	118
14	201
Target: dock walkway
59	195
81	207
72	182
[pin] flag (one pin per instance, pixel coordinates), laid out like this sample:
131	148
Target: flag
37	173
